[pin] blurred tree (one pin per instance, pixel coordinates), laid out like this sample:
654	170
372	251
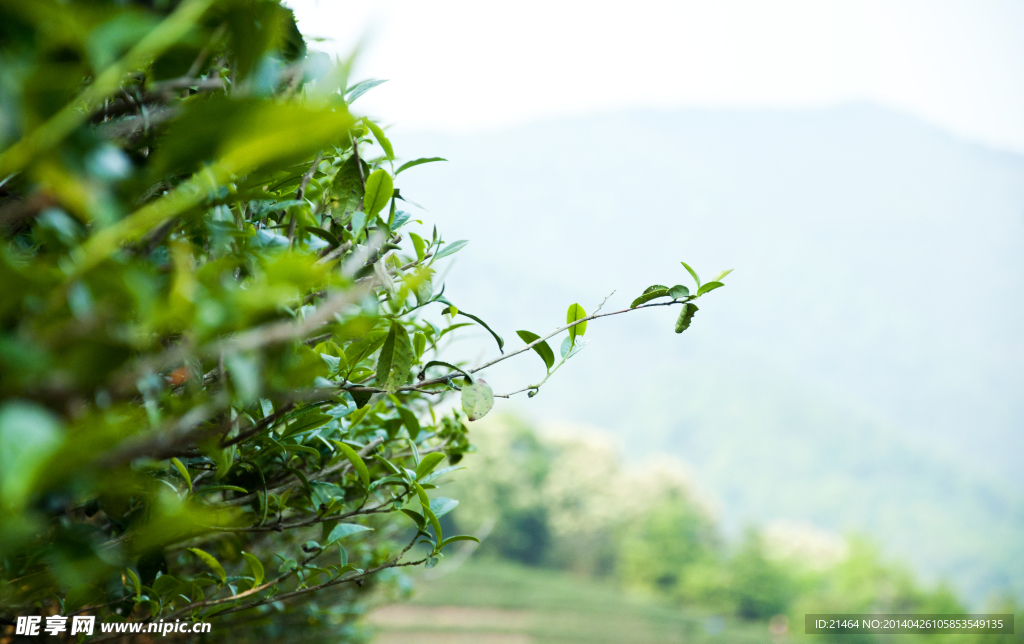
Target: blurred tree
218	386
761	587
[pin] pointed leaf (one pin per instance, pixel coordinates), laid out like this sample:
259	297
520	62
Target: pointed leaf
412	424
395	360
357	90
497	338
710	286
429	462
416	162
178	465
543	349
421	521
460	537
439	473
323	234
343	530
211	562
442	506
433	522
692	272
256	567
652	292
450	249
357	462
135	582
434	363
381	139
379	190
419	344
721	276
418	244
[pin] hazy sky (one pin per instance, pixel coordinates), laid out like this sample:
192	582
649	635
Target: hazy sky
465	66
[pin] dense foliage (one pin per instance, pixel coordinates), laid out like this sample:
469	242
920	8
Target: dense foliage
220	388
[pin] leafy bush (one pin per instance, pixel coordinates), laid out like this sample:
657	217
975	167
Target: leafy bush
219	388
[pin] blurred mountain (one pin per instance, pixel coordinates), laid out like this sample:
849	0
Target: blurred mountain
864	367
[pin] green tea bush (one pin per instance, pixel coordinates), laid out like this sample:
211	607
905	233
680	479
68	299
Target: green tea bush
219	394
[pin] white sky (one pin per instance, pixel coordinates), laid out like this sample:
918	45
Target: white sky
462	66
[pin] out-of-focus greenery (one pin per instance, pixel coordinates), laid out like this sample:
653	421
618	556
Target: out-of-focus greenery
569	503
219	388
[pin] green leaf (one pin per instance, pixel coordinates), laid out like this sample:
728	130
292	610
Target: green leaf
450	249
543	349
418	244
428	464
381	139
184	472
685	316
412	424
441	506
497	338
395	360
222	488
306	422
347	188
416	162
460	537
364	346
433	522
29	434
721	276
287	565
441	472
566	346
135	583
357	90
453	327
211	562
422	494
165	584
356	460
477	399
343	530
419	345
710	286
379	190
692	272
679	292
421	521
574	313
439	363
324	494
256	567
323	234
650	293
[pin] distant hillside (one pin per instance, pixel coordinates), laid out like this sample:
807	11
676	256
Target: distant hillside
863	369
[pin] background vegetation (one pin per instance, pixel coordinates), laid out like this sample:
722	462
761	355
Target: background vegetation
645	539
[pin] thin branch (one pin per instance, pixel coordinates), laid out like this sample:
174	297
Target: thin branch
593	316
